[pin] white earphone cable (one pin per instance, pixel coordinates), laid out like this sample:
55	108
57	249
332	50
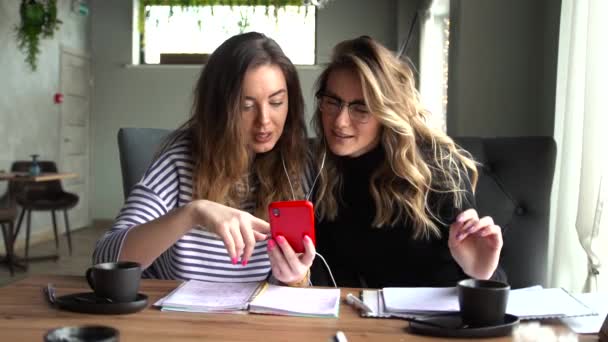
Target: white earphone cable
317	177
328	270
312	186
293	194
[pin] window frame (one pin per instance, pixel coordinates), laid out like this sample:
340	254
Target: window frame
140	18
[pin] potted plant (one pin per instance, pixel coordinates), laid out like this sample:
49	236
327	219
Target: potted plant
38	18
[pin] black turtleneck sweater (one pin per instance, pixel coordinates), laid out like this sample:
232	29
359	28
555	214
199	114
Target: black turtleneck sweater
360	255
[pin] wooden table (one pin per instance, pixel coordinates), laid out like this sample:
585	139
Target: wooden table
26	316
43	177
11	259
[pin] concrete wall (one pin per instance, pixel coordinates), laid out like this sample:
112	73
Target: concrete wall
502	72
29	121
159	96
502	75
405	15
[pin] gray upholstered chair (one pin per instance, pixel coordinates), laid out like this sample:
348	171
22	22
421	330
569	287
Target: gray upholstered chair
137	147
514	188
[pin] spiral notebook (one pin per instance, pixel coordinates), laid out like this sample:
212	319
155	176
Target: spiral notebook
528	303
254	297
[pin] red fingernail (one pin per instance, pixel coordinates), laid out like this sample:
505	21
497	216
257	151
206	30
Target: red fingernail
271	244
244	262
234	261
281	239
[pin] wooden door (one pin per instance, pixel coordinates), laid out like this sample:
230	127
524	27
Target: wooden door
75	140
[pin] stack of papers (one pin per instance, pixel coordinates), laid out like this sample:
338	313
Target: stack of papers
199	296
528	303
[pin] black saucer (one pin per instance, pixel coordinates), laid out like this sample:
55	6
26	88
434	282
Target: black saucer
87	302
454	327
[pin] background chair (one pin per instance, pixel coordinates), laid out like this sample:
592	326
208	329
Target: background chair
515	189
42	196
8	214
137	147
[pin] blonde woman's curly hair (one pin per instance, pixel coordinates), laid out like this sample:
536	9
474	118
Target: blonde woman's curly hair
420	160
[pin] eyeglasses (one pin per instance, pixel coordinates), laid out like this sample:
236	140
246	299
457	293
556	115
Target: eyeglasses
331	105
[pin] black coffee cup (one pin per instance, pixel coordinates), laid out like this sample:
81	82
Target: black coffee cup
482	302
86	333
116	281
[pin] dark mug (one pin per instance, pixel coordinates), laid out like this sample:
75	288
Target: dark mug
86	333
482	302
116	281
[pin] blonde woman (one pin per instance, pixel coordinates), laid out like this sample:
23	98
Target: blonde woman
394	203
200	210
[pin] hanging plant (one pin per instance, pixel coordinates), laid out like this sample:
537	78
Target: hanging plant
193	4
38	18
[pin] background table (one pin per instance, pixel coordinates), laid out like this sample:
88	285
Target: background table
26	316
43	177
11	258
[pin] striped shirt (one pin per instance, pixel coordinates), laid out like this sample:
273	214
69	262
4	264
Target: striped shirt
199	254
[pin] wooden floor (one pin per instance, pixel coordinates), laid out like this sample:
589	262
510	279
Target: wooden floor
83	242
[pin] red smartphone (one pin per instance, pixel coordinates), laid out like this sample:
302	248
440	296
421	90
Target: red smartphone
293	220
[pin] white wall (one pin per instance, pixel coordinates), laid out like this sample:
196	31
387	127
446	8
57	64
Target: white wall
29	121
502	72
160	96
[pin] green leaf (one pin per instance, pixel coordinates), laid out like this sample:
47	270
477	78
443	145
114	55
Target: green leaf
38	17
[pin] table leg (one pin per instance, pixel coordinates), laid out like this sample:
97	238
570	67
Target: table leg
17	261
10	259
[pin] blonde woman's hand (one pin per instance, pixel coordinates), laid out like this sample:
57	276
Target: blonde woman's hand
287	266
475	244
238	229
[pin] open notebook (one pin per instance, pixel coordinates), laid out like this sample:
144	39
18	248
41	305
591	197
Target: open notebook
264	298
527	303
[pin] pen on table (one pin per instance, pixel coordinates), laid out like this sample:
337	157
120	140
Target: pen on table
49	293
358	303
339	337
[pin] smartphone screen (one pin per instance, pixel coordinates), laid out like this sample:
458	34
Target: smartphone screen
293	220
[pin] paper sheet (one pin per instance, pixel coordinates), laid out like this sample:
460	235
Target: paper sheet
545	303
589	324
298	301
527	303
420	299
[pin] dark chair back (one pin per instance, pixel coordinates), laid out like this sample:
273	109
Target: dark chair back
515	189
137	147
41	196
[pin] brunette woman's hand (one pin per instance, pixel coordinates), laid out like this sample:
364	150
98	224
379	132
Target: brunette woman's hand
238	229
475	244
287	266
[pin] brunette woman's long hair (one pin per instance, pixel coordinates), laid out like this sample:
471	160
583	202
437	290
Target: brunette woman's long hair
223	167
